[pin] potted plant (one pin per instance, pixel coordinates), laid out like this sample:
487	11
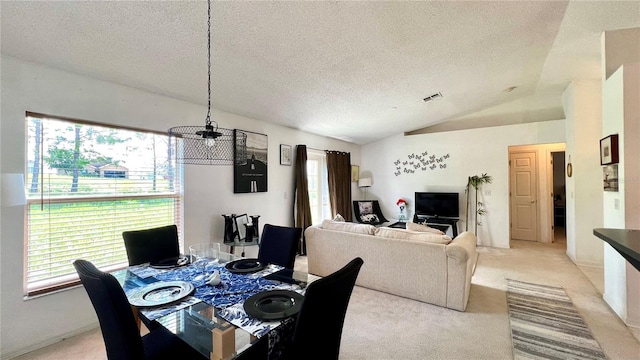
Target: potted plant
476	182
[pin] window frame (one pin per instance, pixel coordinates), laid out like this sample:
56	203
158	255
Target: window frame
71	280
324	209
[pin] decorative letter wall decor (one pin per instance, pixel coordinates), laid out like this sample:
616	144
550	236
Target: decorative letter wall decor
250	163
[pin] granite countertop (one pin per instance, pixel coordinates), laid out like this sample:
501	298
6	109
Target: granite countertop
625	241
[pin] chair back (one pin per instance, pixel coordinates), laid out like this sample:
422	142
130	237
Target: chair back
278	245
368	212
119	330
319	324
151	245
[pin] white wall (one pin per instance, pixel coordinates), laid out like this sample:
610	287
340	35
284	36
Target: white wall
621	115
28	324
471	152
632	176
582	102
570	145
614	264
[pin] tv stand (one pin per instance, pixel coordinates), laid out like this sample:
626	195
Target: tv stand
438	220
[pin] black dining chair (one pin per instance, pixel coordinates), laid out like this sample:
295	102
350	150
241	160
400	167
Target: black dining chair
279	244
319	323
151	245
119	330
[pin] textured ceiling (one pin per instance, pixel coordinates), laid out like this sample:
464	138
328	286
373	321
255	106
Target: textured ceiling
355	71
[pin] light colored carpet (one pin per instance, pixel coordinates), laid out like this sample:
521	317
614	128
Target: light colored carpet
383	326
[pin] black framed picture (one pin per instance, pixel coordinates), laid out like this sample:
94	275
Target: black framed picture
609	150
285	154
610	177
250	162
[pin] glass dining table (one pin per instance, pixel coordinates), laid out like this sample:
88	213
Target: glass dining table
212	319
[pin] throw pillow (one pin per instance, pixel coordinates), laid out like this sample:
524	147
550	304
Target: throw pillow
338	218
422	228
370	219
365	207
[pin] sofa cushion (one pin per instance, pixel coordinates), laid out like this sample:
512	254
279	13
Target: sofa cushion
395	233
422	228
338	218
348	227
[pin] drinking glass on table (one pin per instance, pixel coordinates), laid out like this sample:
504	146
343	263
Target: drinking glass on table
202	254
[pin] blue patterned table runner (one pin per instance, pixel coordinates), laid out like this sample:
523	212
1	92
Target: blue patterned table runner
233	288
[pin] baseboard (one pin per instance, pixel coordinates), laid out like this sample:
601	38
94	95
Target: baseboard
40	344
587	264
624	319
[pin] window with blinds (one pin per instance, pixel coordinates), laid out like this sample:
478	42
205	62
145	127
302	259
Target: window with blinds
87	183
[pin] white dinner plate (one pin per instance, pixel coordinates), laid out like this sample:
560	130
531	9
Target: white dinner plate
160	293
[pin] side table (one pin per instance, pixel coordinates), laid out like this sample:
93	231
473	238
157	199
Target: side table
401	224
233	244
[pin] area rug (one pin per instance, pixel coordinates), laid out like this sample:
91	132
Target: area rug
546	325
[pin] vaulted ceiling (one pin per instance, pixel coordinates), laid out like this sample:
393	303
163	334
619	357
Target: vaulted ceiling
356	71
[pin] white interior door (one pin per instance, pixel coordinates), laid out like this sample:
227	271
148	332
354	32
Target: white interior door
523	196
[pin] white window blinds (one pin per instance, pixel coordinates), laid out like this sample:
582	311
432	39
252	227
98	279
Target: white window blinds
86	184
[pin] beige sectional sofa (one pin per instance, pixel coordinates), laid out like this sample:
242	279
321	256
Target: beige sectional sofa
427	267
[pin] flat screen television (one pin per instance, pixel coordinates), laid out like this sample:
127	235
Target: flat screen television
437	204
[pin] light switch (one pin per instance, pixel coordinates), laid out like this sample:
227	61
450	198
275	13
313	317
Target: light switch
616	204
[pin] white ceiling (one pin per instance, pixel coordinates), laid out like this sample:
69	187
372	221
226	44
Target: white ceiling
355	71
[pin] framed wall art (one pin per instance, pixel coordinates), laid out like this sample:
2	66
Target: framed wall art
250	162
285	154
355	172
610	177
609	150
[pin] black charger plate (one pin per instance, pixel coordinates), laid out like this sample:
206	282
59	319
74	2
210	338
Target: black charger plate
245	266
273	304
170	263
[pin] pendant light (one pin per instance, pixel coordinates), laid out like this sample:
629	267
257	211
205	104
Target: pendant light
208	145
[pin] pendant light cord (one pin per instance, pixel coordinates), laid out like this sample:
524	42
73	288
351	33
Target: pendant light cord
208	120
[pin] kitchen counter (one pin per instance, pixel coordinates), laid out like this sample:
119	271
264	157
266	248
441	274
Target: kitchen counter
625	241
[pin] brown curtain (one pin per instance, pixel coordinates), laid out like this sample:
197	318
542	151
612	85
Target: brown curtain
302	207
339	177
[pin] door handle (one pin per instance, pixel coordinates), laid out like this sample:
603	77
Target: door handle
532	201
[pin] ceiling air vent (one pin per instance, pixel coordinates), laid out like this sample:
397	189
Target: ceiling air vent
432	97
